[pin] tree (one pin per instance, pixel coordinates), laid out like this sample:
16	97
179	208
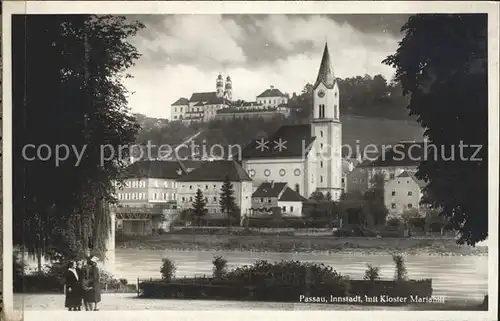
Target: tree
68	92
328	196
442	66
400	272
227	200
317	196
375	200
199	205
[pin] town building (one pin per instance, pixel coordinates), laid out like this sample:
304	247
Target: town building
394	160
307	156
203	106
147	196
357	180
272	97
271	195
403	193
209	178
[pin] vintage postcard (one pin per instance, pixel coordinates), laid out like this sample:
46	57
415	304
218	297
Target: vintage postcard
250	160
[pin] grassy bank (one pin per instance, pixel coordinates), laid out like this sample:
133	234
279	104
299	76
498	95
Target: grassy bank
272	243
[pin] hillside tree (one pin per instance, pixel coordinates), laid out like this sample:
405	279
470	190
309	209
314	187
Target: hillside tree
442	66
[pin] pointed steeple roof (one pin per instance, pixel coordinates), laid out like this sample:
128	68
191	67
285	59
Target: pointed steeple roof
325	74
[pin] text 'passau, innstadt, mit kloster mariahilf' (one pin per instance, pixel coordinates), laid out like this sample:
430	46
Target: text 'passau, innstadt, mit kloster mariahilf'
366	299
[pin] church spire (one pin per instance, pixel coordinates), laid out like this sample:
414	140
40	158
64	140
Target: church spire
325	74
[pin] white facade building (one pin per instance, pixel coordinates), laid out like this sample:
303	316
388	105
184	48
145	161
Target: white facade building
209	178
271	97
271	195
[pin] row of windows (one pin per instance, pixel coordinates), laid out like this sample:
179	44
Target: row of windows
198	186
143	196
274	101
156	183
409	206
267	172
410	193
191	199
322	113
284	209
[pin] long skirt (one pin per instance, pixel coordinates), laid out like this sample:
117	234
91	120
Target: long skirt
73	299
92	295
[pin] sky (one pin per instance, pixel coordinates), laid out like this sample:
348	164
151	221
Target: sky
182	54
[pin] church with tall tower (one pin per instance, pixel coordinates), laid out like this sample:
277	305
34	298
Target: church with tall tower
307	157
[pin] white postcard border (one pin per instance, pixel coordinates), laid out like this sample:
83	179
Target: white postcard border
254	7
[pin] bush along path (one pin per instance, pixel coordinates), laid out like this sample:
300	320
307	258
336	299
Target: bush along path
289	281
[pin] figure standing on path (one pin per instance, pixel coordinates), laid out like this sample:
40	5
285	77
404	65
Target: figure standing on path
92	286
72	289
79	272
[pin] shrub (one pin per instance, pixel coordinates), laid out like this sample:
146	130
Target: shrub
286	273
220	267
372	273
394	222
123	282
400	273
168	269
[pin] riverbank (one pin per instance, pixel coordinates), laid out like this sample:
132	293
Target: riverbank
299	244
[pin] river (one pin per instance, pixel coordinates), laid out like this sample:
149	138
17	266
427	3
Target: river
454	277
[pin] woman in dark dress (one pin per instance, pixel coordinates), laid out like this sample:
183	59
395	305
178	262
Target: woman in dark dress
72	288
79	272
92	285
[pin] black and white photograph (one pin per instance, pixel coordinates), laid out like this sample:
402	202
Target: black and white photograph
308	160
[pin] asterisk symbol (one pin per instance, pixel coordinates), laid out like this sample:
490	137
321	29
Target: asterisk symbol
280	144
262	145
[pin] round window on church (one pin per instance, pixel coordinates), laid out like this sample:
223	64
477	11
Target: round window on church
251	173
282	172
296	172
267	172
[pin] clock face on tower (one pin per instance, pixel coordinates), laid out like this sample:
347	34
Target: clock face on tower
321	93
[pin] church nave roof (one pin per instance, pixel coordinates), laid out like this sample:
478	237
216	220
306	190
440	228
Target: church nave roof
295	139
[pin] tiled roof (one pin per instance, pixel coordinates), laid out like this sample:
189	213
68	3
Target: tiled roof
295	138
420	182
206	96
217	101
269	189
325	73
191	164
217	171
249	104
291	196
400	155
271	92
181	102
154	169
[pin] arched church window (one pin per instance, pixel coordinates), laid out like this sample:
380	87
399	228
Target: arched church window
321	164
321	133
297	188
